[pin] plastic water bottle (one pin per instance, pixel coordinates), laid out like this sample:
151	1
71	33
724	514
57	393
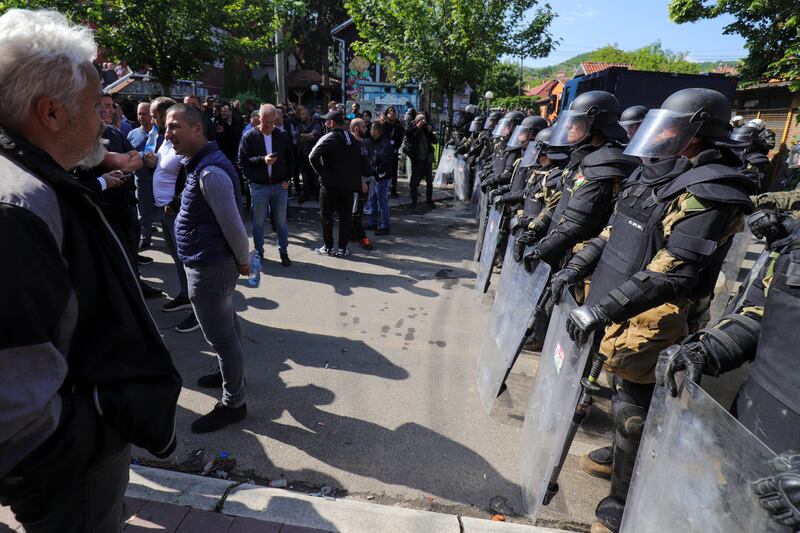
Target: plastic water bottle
255	269
152	140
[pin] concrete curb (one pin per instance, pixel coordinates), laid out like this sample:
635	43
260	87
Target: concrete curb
439	195
302	510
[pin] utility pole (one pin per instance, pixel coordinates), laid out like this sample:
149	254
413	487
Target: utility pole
280	67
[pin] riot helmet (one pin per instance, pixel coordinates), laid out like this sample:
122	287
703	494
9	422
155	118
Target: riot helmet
757	124
476	125
530	156
507	124
794	157
737	121
684	115
526	130
471	109
491	122
589	112
632	118
744	134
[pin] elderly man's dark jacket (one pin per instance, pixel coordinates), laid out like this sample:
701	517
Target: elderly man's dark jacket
81	346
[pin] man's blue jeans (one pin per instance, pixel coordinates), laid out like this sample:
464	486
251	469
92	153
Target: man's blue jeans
266	199
379	199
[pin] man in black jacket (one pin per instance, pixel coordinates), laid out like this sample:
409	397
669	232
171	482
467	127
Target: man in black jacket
395	133
420	140
83	370
337	159
266	158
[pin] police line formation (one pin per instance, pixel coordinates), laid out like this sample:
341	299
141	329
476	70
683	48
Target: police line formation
610	229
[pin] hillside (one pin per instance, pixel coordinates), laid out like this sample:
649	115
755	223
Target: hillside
534	76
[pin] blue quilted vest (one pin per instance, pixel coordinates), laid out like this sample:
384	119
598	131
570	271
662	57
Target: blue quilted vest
199	238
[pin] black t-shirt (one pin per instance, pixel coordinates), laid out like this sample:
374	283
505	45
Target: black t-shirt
124	195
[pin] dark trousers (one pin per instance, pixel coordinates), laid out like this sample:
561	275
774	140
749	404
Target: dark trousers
357	224
341	202
296	176
393	171
62	497
419	170
310	179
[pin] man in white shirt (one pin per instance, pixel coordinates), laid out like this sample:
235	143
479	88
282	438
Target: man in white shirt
166	165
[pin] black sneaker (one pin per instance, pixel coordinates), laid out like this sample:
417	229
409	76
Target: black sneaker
177	304
285	261
210	381
188	324
383	231
143	259
342	252
150	292
219	417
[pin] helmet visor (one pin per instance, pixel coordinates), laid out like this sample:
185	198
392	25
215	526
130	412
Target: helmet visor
742	136
663	133
519	138
490	124
503	128
572	127
474	126
530	156
794	157
631	127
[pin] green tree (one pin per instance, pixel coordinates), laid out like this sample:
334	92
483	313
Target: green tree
770	28
448	44
311	32
651	57
502	80
176	38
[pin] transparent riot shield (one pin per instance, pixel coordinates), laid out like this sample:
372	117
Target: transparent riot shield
548	418
694	470
736	302
735	268
488	250
483	206
461	180
444	171
476	188
517	295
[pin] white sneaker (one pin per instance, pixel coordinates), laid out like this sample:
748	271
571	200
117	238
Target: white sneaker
342	252
324	250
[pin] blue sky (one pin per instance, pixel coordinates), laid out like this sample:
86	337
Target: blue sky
589	24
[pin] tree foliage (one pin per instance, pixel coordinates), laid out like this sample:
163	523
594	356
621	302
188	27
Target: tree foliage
502	80
311	32
517	103
177	38
651	57
770	28
448	44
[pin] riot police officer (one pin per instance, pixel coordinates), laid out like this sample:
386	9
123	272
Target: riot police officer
502	161
751	150
763	331
528	129
671	228
590	181
632	118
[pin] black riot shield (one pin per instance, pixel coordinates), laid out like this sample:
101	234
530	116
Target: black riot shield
483	206
491	238
517	295
694	470
551	408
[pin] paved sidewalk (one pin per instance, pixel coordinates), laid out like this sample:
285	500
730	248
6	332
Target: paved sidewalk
172	502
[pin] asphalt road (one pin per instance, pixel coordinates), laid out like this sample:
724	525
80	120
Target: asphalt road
360	375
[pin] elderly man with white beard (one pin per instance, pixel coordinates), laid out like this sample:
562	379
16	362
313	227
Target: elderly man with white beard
83	370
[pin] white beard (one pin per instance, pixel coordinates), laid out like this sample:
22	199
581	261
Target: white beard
95	155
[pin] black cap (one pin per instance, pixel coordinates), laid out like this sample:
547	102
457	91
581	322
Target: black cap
334	115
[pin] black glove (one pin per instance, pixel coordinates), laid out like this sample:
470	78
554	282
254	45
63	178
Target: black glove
519	223
690	357
770	225
486	184
583	321
503	199
531	259
519	247
561	280
779	495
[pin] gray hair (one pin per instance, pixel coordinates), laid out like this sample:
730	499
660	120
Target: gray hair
267	109
41	53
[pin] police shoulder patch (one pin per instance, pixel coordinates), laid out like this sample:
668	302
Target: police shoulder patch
578	182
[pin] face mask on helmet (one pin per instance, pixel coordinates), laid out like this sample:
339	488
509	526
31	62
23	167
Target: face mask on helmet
520	137
503	128
794	157
572	128
530	156
664	133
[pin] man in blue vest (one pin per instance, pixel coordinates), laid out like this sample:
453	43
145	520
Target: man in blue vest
212	245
